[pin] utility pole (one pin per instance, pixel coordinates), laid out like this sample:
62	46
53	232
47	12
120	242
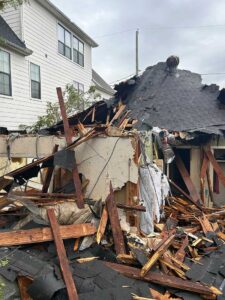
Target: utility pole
137	58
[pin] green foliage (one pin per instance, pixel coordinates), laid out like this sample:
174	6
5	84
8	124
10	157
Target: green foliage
74	102
14	3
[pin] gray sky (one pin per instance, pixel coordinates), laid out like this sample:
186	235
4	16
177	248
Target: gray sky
200	49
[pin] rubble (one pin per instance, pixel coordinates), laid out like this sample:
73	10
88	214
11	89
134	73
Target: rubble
106	222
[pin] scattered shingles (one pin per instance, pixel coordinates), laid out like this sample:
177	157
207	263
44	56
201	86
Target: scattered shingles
45	286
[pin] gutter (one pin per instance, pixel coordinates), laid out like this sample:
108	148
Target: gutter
18	49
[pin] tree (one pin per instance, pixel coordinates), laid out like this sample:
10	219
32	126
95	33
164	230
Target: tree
14	3
74	103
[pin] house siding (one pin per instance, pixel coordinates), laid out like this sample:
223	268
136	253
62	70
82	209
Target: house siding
40	35
13	17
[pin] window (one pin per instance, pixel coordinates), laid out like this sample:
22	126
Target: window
64	42
79	87
35	77
78	51
5	74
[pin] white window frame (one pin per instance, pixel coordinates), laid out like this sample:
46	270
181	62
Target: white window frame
31	63
10	76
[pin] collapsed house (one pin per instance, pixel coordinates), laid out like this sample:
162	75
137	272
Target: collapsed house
97	181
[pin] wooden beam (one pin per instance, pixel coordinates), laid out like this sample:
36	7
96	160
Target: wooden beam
161	279
185	194
102	225
49	173
157	255
131	207
68	135
4	181
23	283
187	180
115	223
215	165
63	261
44	234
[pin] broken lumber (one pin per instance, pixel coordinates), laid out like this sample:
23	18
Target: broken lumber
102	225
157	255
161	279
185	194
63	260
68	135
44	234
23	283
115	223
215	165
187	180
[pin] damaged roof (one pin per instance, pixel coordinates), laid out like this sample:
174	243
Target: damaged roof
10	39
171	98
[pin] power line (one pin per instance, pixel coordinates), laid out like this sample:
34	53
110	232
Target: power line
212	26
126	77
218	73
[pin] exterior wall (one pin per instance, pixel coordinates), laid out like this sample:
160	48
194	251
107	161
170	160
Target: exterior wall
40	34
13	17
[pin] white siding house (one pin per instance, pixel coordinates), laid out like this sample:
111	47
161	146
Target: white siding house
48	51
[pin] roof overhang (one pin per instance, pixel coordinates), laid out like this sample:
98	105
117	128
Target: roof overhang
18	49
102	89
67	22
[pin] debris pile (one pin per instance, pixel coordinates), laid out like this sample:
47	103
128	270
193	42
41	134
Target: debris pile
139	240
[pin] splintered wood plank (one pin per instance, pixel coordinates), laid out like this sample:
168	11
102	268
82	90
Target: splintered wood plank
164	280
206	226
187	180
184	193
23	283
102	225
216	166
115	223
68	135
118	113
180	254
63	261
49	173
44	234
157	255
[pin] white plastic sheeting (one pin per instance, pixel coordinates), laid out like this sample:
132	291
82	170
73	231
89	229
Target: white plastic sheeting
154	187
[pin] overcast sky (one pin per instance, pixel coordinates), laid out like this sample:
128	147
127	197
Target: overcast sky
200	49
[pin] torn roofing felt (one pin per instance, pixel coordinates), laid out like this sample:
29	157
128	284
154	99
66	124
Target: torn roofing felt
173	99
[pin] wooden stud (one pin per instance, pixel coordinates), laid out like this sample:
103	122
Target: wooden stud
63	261
162	279
157	255
23	283
115	223
44	234
187	180
68	135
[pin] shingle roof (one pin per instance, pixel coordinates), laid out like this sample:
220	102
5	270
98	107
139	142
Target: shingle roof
9	37
174	100
101	83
